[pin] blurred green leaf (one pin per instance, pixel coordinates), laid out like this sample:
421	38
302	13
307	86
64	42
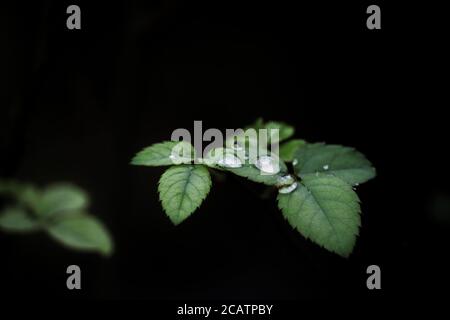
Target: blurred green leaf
17	219
82	232
60	209
62	199
24	193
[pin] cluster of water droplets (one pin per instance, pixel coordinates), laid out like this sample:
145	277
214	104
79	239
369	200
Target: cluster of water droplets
288	189
286	183
235	157
287	179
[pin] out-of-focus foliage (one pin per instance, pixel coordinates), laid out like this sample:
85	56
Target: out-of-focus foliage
60	209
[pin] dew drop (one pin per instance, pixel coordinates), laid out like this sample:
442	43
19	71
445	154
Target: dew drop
267	164
229	161
289	188
285	180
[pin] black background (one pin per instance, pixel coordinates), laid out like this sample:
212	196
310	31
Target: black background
78	104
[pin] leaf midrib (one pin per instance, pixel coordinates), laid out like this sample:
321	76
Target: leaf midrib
183	194
328	219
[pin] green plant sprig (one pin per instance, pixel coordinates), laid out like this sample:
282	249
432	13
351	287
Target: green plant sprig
318	199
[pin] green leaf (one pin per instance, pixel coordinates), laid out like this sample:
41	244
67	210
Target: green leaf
62	198
182	189
8	187
82	232
343	162
324	209
24	193
289	148
165	154
16	219
285	130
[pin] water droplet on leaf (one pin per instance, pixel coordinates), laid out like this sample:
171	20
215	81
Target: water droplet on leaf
267	164
229	161
285	180
289	188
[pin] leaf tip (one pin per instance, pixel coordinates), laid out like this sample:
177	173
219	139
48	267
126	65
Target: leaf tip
107	251
135	161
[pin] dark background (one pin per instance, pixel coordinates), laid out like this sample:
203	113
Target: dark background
76	105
